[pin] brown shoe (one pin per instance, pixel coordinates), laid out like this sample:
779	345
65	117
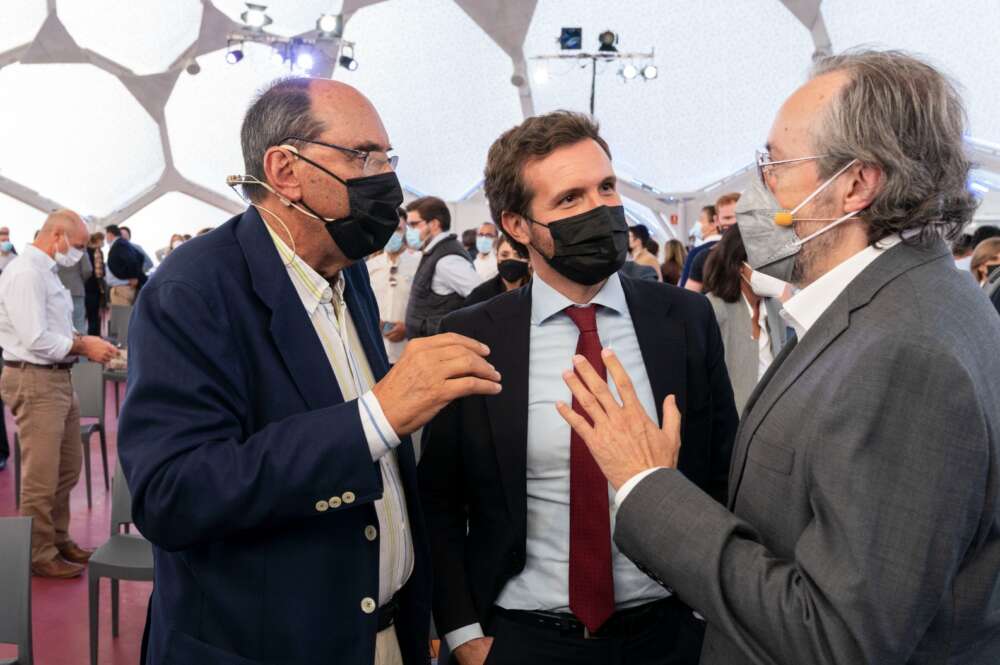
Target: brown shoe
74	553
57	568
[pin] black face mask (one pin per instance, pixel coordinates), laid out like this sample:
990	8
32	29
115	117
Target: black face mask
372	220
589	247
513	270
992	272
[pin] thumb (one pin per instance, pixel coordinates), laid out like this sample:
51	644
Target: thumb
671	416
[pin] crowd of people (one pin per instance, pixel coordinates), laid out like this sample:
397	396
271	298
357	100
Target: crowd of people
778	445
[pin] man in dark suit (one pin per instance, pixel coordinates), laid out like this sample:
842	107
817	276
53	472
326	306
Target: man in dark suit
863	521
525	570
264	441
126	274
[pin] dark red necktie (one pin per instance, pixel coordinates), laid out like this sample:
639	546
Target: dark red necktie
591	581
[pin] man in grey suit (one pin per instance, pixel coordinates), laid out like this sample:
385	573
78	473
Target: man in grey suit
863	522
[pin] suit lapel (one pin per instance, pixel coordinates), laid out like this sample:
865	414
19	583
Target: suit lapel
354	289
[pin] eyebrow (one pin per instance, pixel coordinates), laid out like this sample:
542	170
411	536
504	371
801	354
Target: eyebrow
611	179
371	146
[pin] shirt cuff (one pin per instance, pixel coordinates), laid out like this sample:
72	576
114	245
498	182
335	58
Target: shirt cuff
460	636
381	437
630	484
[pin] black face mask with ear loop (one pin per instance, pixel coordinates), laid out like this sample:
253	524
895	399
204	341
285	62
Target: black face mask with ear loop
590	246
372	219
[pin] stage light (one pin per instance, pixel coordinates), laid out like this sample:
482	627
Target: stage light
571	39
650	72
278	56
234	53
304	60
629	72
330	25
608	40
347	60
540	74
255	16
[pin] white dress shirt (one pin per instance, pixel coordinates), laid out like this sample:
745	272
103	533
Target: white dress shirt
452	274
36	310
764	354
335	328
486	266
803	310
543	585
392	291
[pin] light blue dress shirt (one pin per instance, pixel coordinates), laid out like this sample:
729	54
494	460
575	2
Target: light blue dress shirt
543	585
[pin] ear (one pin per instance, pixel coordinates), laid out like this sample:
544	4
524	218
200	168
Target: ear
516	227
279	174
863	185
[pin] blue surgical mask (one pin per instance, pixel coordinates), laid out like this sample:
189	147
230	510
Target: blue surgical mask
484	244
413	238
7	246
395	243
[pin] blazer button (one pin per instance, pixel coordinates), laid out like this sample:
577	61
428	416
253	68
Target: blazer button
348	497
371	533
368	605
322	506
335	502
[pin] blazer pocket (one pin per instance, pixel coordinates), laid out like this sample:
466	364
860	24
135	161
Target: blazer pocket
770	456
183	649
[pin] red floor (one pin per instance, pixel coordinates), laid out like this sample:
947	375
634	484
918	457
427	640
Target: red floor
61	632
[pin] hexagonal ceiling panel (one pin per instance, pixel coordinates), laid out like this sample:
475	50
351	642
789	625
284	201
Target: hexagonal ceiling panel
963	42
172	213
722	76
443	91
21	22
205	112
21	219
290	17
144	35
74	134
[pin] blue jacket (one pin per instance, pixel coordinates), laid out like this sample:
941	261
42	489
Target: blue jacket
232	430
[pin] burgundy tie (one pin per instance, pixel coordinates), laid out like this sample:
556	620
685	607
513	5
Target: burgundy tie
591	582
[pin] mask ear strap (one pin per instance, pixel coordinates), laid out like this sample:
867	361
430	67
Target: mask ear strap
295	151
234	180
823	186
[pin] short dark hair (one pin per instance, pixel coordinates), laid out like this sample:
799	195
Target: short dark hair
125	229
963	244
113	230
431	207
641	232
710	209
722	266
281	110
401	212
984	233
533	139
519	249
469	238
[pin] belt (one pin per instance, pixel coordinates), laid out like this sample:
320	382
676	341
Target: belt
17	364
387	614
626	623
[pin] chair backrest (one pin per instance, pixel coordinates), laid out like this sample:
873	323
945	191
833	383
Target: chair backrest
118	324
15	580
121	500
88	382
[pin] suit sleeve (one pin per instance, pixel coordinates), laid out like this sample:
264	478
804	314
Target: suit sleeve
196	474
725	419
897	493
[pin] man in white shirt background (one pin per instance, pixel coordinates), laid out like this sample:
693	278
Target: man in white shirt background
40	346
391	274
486	255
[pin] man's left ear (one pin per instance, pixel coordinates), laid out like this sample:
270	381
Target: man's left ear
865	183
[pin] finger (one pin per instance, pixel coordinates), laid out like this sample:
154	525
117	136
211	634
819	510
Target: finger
468	385
596	385
454	339
577	422
585	398
626	391
467	365
671	416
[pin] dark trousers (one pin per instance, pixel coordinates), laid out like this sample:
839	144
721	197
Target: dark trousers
673	639
4	444
92	303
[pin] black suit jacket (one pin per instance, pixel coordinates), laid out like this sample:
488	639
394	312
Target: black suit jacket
125	261
474	466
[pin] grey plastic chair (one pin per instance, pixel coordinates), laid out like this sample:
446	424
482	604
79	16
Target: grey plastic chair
123	557
88	382
118	324
15	580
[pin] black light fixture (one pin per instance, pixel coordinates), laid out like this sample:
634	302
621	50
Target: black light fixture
234	53
571	39
347	60
608	40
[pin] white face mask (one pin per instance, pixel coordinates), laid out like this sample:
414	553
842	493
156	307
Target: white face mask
765	286
70	258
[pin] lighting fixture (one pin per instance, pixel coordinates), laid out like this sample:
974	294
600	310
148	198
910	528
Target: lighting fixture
571	39
347	60
330	25
650	72
304	60
278	56
540	74
255	16
234	53
608	40
629	72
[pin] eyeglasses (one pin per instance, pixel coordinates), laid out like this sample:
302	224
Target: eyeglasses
414	223
372	161
765	165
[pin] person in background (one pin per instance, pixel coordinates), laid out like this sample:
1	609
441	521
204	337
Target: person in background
469	242
175	241
7	251
673	262
725	218
961	251
74	278
207	229
391	273
486	257
513	272
706	234
985	260
125	263
39	348
638	247
445	277
747	306
147	263
983	233
93	288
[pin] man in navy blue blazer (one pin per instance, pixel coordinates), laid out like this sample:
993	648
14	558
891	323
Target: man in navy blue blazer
263	437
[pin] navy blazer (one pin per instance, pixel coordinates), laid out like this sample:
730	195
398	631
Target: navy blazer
233	429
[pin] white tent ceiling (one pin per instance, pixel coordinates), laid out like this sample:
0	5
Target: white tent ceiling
101	114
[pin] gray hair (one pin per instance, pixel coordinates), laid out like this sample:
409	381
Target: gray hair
902	115
281	110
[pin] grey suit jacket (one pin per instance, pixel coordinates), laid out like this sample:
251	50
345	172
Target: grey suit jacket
863	523
73	278
742	354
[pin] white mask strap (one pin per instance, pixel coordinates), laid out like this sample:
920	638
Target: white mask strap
234	180
823	186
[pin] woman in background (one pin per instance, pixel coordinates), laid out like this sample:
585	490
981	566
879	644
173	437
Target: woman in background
673	262
639	244
513	268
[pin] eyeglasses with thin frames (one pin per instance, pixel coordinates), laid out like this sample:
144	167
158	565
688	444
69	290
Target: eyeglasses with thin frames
765	165
372	161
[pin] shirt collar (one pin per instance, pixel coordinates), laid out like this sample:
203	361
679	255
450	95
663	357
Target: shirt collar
715	237
804	308
40	258
313	289
546	302
435	240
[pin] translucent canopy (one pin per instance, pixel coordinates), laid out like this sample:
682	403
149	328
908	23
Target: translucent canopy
441	86
21	21
76	135
21	219
289	17
721	76
144	35
172	213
